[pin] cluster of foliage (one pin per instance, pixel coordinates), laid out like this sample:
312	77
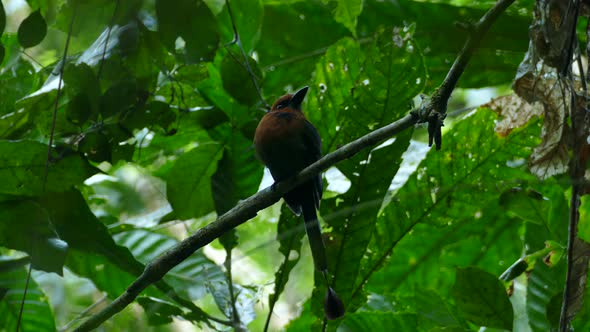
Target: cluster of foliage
149	108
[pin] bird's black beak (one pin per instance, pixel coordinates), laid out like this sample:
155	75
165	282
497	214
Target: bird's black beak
298	97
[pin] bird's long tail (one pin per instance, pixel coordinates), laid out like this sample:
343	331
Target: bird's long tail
333	306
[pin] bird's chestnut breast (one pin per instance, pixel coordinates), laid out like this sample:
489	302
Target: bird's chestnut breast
279	142
278	126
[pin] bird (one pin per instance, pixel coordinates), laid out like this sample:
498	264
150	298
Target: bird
286	143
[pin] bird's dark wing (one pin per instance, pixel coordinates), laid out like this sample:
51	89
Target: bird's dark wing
313	146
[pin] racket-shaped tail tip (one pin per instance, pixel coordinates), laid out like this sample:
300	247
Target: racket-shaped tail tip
333	306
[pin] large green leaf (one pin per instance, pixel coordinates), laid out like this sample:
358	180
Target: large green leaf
493	63
83	88
190	278
347	12
289	234
189	181
238	172
237	80
482	299
290	43
210	89
371	98
336	74
22	165
379	321
106	275
162	152
79	227
440	193
91	17
32	30
25	226
16	83
191	20
543	284
248	17
37	315
433	311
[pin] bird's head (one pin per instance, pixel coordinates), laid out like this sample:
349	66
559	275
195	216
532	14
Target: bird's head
290	102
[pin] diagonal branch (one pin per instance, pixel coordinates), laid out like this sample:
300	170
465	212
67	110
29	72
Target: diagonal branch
248	208
438	110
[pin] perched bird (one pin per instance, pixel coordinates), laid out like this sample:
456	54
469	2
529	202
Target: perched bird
287	143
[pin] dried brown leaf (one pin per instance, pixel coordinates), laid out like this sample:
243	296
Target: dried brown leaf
542	86
514	112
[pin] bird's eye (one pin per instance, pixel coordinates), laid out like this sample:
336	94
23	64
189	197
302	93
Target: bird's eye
283	104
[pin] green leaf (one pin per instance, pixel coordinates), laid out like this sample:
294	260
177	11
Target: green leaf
80	109
529	205
106	275
121	97
163	151
12	56
158	311
544	283
248	16
238	172
433	311
190	278
84	90
365	91
2	22
80	78
290	44
95	145
155	113
22	165
379	321
245	299
33	234
191	20
238	176
189	181
347	12
32	30
236	79
2	52
93	252
16	83
210	90
79	227
289	235
335	76
482	299
494	61
90	18
37	311
49	254
436	211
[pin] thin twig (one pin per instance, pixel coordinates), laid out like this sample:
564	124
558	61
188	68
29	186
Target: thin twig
106	43
442	95
59	83
238	41
33	59
22	304
235	316
83	313
49	145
